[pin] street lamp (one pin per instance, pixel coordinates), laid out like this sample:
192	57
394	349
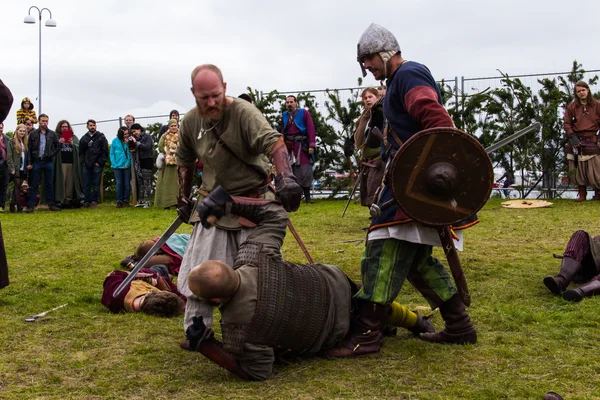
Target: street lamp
30	19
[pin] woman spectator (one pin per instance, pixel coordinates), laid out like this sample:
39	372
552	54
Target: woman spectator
17	165
144	158
68	176
367	140
174	114
167	186
26	111
120	160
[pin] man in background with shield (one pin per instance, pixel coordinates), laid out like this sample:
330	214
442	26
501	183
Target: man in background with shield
398	247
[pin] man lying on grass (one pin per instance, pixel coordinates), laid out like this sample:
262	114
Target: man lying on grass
580	264
170	254
276	310
273	310
151	292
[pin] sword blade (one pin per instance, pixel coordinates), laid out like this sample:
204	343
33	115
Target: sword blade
351	197
533	127
162	240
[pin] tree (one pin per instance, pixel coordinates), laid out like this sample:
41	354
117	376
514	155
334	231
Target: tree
268	105
346	117
467	111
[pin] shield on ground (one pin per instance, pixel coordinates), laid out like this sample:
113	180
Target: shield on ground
441	176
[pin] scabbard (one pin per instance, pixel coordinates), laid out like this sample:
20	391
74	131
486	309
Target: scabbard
454	264
300	242
3	263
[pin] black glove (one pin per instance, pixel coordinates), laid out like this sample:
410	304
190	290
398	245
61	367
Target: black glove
184	208
195	332
288	191
125	263
214	205
349	146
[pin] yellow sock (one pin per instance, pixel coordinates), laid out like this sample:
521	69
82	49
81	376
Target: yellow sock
401	316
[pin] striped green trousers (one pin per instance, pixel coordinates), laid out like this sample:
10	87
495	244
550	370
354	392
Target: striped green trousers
387	263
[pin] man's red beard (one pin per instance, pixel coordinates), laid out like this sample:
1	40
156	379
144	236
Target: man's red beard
213	113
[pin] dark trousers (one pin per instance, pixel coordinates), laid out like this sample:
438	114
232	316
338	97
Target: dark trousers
47	168
507	183
4	176
91	183
579	250
15	201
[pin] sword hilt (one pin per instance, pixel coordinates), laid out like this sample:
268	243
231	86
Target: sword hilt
375	210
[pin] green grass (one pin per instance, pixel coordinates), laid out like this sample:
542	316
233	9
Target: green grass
529	341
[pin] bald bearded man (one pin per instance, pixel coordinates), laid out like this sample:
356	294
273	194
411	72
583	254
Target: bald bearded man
234	141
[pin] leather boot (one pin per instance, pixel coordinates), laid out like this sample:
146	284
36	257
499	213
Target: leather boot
307	198
364	336
552	396
557	284
588	290
423	325
581	193
459	329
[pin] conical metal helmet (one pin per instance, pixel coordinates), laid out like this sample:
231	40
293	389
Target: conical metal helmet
375	39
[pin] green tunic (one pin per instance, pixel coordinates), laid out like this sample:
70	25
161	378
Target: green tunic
167	184
244	130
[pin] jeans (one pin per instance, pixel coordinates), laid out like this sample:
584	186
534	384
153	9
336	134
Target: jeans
47	168
91	183
506	184
122	179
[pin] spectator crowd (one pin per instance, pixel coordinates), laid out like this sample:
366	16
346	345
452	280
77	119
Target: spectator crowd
41	168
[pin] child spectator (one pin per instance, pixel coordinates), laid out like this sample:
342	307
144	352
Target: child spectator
26	111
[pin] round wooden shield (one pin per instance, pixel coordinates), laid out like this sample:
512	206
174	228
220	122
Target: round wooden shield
441	176
523	204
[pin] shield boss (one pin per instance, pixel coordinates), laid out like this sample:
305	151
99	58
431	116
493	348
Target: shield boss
441	176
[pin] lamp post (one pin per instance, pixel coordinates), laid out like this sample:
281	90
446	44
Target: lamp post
30	19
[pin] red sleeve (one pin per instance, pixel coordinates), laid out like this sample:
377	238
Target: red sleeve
310	129
422	105
567	119
111	283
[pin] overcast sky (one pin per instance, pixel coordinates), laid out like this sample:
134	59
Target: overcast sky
109	58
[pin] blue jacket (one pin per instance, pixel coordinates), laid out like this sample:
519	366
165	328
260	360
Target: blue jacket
120	157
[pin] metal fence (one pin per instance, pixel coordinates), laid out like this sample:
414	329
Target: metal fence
457	85
110	126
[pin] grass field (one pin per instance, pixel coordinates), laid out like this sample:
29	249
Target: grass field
529	341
